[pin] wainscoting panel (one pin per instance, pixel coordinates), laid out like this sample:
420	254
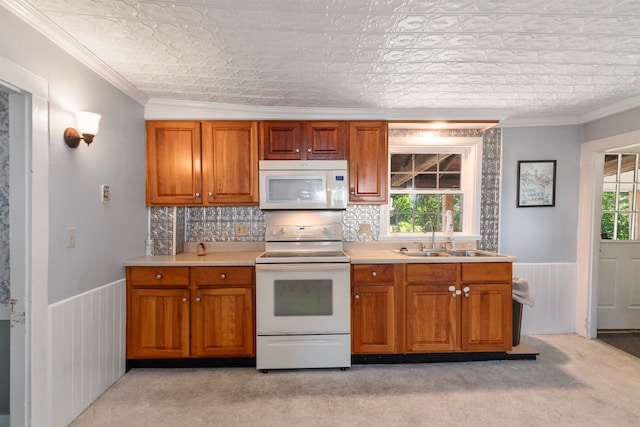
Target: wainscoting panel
87	348
553	287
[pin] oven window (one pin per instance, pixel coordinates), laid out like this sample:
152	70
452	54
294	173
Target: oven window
303	297
302	189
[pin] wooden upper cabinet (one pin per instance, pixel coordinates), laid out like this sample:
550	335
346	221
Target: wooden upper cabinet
325	140
230	162
295	140
281	140
173	163
368	162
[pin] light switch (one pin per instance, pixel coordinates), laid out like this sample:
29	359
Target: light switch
70	237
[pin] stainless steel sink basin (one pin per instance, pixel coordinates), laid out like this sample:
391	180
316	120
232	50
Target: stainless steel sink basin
443	253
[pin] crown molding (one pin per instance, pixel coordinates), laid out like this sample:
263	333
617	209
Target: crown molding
611	109
165	109
51	31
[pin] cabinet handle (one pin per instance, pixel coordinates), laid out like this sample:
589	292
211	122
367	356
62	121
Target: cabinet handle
374	274
223	276
197	195
466	291
198	299
184	300
357	296
158	276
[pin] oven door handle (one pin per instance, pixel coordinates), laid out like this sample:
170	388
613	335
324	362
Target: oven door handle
303	267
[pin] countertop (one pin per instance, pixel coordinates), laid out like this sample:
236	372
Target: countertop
376	256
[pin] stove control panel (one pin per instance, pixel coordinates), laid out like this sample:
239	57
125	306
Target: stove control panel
314	232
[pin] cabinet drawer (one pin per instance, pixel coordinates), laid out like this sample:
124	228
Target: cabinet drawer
486	272
159	276
432	273
223	275
373	273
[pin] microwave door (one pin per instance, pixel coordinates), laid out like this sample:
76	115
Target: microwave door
295	191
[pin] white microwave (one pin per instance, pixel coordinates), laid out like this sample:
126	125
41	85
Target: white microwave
303	184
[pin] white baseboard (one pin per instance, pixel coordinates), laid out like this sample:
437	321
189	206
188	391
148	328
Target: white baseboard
4	420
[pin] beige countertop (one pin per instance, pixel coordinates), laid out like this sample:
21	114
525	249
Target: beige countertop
376	256
188	259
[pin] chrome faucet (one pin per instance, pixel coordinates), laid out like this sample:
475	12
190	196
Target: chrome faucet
433	235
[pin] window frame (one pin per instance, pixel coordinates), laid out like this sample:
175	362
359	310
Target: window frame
470	181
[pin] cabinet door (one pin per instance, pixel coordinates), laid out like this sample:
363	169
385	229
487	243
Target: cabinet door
158	323
486	317
368	161
432	318
223	322
281	140
325	140
230	162
373	328
173	163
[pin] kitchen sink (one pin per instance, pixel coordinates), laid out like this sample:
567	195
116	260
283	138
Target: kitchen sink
443	253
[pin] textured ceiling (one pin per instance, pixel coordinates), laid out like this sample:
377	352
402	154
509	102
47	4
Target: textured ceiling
531	58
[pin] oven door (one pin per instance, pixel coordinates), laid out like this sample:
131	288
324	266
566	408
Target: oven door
299	299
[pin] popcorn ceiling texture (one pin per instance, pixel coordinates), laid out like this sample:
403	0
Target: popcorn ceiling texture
217	224
532	58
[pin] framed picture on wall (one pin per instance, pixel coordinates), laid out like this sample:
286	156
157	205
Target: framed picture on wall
536	183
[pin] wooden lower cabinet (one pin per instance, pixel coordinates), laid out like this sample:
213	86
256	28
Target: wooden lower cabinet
181	312
432	319
223	313
161	319
373	309
432	307
486	321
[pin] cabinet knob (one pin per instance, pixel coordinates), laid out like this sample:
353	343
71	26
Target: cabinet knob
198	299
353	192
452	288
158	276
297	150
466	291
357	296
197	194
210	194
184	300
374	273
308	150
223	276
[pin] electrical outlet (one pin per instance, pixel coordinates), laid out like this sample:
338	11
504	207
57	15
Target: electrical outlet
106	194
70	237
242	230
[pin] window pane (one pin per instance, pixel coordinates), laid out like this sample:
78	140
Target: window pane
622	232
448	180
627	167
401	180
623	201
606	226
426	162
426	180
401	163
450	162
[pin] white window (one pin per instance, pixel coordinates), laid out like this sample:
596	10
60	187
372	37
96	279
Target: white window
620	197
427	177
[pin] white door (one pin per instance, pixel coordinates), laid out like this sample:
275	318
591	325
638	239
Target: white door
619	285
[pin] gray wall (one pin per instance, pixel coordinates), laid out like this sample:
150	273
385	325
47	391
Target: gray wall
620	123
106	234
4	367
544	234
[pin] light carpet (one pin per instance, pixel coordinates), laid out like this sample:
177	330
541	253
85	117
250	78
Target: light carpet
574	382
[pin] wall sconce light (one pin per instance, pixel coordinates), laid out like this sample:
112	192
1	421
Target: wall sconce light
88	124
